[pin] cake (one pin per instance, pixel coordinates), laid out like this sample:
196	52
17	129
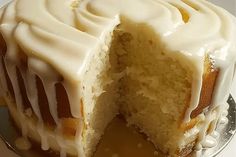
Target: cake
69	67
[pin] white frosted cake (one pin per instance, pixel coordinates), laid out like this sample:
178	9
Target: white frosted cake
69	67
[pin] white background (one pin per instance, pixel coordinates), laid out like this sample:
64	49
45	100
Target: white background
229	151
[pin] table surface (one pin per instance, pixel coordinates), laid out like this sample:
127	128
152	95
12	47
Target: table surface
227	152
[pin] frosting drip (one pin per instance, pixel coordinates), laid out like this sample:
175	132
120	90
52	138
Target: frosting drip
80	29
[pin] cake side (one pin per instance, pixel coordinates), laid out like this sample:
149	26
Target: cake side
60	104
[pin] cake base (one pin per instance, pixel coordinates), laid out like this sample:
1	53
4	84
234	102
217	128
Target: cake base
135	145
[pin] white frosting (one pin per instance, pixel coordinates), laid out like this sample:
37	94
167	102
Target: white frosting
61	35
209	142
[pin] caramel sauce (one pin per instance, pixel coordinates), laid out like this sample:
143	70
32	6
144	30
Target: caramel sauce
25	99
43	104
2	102
63	105
118	141
122	141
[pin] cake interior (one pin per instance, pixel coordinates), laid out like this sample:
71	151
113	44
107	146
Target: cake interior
136	78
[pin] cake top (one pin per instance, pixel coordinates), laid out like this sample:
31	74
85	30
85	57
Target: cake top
64	34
